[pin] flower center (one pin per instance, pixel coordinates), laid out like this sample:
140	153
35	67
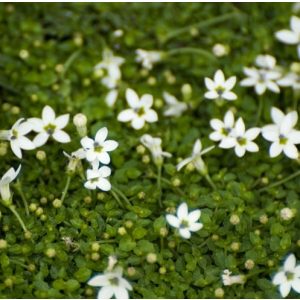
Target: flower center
242	141
114	281
225	131
220	90
97	147
282	139
14	134
184	224
289	275
140	111
50	128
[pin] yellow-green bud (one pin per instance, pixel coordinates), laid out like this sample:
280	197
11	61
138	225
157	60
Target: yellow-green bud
128	224
3	244
50	252
162	270
57	203
151	258
122	231
43	200
141	195
95	247
146	159
131	271
33	207
39	211
186	91
87	200
24	54
263	219
234	219
80	121
235	246
8	282
163	231
140	149
219	293
31	267
95	256
176	182
249	264
15	110
151	81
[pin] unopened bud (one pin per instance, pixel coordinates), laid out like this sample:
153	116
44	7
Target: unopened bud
219	293
80	121
151	258
286	214
234	219
249	264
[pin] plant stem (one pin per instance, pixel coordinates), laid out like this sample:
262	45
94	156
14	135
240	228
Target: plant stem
159	185
64	193
280	181
69	61
191	50
121	194
18	263
295	98
11	207
210	182
20	191
117	198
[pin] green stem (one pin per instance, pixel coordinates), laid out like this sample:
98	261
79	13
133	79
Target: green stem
210	182
18	263
280	181
259	111
64	193
159	185
20	191
191	50
12	209
117	198
69	61
170	184
121	194
106	241
295	98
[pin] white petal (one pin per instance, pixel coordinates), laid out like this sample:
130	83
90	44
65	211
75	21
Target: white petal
216	136
239	150
230	82
124	283
211	95
298	50
87	143
16	148
103	184
126	115
197	147
182	211
273	86
105	293
151	116
37	124
61	136
239	127
219	78
132	98
228	142
229	96
252	147
111	98
110	145
121	293
10	176
216	124
62	121
138	123
48	115
104	171
195	227
285	289
295	24
185	233
173	221
291	151
275	149
146	101
25	143
183	163
170	99
40	139
248	82
277	115
260	88
25	128
229	119
252	133
297	271
279	278
294	137
287	36
101	135
206	150
270	133
251	72
296	285
99	280
209	83
103	157
194	215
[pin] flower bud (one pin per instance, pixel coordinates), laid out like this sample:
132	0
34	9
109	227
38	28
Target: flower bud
163	231
80	121
57	203
146	159
131	271
59	68
33	207
24	54
41	155
8	282
128	224
151	258
15	110
176	182
235	246
87	200
122	231
151	81
95	256
95	247
249	264
295	67
39	211
50	252
219	293
3	244
140	149
234	219
263	219
141	195
186	91
162	270
220	50
286	214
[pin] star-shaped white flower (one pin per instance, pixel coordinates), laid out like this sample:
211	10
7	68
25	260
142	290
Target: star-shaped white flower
288	277
111	64
282	133
185	222
243	139
50	125
154	146
196	158
223	130
148	58
112	284
140	110
16	137
174	107
291	37
97	178
219	88
98	149
263	78
6	179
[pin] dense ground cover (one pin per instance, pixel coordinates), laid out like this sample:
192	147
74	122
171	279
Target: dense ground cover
48	54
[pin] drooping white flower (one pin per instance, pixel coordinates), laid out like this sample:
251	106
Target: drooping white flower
291	37
16	137
223	130
282	133
6	179
112	284
263	78
243	139
98	149
148	58
74	159
97	178
154	146
111	64
174	107
230	280
185	222
288	277
140	110
50	125
219	88
196	158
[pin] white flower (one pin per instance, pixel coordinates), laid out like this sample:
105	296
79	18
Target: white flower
112	284
219	88
282	134
48	126
96	178
154	146
111	64
288	277
291	37
223	130
16	137
185	222
174	107
263	78
196	158
97	149
290	79
6	179
74	159
111	97
243	139
148	58
230	280
140	110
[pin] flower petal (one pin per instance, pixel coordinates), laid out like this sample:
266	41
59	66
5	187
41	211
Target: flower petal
25	143
37	124
110	145
295	24
132	98
219	78
182	211
151	116
126	115
285	289
173	221
87	143
61	136
40	139
146	101
16	149
296	285
103	184
275	149
48	115
195	227
230	96
183	163
252	133
279	278
99	280
121	293
230	83
138	123
216	124
104	171
291	151
101	135
105	293
111	98
240	150
62	121
211	95
185	233
197	147
210	84
194	215
260	88
277	115
103	157
25	128
287	37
